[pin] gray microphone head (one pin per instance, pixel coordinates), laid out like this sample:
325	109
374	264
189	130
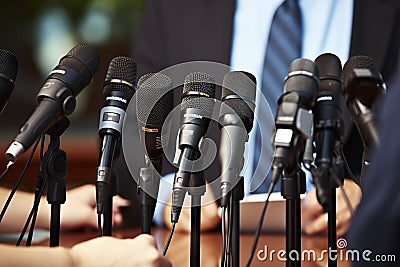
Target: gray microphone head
238	94
154	99
199	92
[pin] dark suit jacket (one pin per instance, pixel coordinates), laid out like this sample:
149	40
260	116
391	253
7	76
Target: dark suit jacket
177	31
376	224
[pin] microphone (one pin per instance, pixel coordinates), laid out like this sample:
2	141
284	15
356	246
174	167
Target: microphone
154	101
236	121
56	98
118	91
196	109
8	73
293	120
328	123
362	85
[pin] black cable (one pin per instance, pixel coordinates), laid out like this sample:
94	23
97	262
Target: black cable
229	241
223	254
346	197
14	189
171	232
9	165
38	189
99	224
258	231
28	220
346	165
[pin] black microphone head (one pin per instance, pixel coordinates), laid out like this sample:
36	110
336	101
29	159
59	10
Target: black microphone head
239	93
121	75
329	100
154	99
361	80
329	67
303	79
199	92
8	66
8	73
84	61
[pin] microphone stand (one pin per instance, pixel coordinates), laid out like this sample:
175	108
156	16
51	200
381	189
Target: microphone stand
236	195
336	170
197	188
108	207
148	188
55	162
292	185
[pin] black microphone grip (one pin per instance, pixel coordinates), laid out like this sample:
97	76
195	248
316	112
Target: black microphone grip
47	112
104	170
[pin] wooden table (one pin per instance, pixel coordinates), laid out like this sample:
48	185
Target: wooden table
179	252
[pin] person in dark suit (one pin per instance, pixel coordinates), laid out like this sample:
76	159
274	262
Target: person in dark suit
175	31
375	226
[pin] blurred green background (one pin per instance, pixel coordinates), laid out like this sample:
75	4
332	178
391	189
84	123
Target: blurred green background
40	32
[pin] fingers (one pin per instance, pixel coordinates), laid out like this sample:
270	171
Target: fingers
153	256
120	202
318	225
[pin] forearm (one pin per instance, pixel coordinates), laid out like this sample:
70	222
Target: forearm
35	256
18	211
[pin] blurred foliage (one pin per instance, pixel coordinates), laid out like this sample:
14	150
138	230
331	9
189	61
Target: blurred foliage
21	33
19	18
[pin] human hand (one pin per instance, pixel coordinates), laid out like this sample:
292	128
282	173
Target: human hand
79	209
314	220
210	216
110	251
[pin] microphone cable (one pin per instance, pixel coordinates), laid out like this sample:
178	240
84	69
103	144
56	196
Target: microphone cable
38	189
171	233
229	241
260	223
14	189
9	165
223	233
36	204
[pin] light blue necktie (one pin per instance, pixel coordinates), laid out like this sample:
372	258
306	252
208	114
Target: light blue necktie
284	45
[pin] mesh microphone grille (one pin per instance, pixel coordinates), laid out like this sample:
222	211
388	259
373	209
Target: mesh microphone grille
85	61
242	84
304	65
8	64
329	66
356	62
154	99
121	68
203	83
303	78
